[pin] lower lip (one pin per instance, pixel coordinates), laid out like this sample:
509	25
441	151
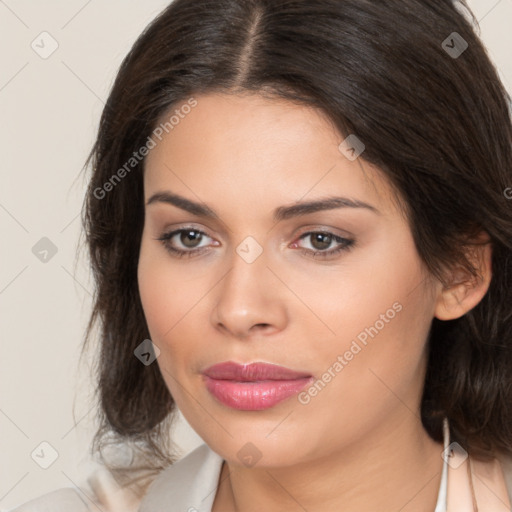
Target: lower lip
254	396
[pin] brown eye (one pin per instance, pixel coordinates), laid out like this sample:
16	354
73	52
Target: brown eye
320	241
185	242
189	238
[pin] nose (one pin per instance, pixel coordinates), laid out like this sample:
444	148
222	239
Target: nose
250	300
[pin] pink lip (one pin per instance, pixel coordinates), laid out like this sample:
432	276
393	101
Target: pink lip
255	386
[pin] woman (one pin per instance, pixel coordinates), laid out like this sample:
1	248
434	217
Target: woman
299	227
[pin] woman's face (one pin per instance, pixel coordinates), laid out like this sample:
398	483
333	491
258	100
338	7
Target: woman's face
352	319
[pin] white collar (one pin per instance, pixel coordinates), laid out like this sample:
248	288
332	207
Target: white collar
442	497
191	483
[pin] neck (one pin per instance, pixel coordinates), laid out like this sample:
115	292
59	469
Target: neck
398	469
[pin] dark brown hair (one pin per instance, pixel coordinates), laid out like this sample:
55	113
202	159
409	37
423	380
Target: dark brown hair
437	124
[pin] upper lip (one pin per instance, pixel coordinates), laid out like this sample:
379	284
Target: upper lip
230	370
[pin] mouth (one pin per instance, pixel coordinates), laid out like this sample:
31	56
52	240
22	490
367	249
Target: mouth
255	386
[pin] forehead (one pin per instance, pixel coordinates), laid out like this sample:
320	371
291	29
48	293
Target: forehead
254	147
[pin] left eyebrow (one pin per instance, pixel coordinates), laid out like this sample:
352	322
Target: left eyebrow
329	203
280	213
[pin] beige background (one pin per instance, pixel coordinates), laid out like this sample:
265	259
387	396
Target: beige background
49	113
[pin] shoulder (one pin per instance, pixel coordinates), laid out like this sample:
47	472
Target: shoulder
492	482
65	499
190	481
100	492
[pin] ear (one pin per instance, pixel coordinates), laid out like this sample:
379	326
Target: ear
463	290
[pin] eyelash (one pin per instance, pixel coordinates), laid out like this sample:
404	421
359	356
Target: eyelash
346	244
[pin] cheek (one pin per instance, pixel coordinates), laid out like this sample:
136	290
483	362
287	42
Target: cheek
380	312
172	299
378	355
371	293
163	295
166	291
165	300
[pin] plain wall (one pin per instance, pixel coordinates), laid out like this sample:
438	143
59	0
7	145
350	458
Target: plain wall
50	110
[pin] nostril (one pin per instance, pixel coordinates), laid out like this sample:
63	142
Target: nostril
258	327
